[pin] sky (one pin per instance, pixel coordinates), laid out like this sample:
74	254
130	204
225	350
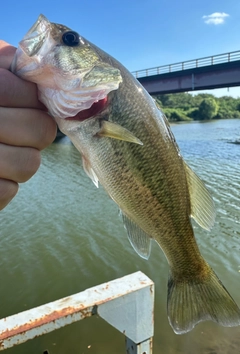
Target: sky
139	33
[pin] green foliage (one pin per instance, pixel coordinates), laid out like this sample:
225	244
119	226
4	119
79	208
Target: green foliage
208	108
224	113
193	113
185	106
180	100
175	115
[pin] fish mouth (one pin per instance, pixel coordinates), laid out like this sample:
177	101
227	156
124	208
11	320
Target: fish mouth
96	108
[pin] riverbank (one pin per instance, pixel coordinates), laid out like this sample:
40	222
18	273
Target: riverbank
186	107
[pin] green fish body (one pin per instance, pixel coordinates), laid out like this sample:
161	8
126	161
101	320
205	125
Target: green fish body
128	147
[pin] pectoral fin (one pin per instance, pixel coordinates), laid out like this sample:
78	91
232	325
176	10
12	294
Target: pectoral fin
139	240
202	205
116	131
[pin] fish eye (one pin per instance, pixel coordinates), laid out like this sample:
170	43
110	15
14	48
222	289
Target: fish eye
70	38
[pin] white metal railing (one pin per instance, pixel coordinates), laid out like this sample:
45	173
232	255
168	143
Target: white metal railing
189	64
113	301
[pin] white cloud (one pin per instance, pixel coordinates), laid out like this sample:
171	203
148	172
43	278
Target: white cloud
217	18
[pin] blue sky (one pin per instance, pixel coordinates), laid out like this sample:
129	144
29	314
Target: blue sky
139	33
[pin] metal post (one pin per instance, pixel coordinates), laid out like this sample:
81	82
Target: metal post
193	84
141	348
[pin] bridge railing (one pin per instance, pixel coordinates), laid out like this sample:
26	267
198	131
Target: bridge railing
126	303
189	64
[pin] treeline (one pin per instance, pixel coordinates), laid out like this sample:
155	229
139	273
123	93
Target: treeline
185	107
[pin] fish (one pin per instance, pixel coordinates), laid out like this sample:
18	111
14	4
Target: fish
127	146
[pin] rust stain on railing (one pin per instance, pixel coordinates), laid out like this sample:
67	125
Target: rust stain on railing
52	317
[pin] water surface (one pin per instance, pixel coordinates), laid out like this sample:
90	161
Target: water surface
61	235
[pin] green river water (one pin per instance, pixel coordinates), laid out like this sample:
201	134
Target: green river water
61	235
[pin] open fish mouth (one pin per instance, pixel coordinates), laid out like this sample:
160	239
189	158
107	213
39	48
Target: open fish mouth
96	108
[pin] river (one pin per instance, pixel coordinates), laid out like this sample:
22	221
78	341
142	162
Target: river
61	235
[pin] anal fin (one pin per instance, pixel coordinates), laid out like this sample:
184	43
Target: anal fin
139	240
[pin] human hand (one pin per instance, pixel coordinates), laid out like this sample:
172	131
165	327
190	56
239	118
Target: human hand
25	128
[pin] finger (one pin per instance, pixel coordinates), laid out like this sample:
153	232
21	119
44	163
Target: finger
26	127
18	164
6	54
15	92
8	190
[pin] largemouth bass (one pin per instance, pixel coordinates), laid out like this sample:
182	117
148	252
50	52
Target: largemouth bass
127	145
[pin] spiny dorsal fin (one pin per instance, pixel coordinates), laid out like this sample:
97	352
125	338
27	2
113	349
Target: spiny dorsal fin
139	240
89	171
116	131
202	205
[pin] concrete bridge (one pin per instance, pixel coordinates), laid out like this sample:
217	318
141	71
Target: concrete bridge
213	72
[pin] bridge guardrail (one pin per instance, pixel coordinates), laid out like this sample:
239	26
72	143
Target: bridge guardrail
126	303
189	64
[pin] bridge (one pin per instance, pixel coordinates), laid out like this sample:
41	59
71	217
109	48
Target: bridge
212	72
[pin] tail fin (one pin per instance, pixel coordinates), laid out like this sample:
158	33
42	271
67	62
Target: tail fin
200	300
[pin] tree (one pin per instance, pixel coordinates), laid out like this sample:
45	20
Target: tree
185	106
208	108
177	100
